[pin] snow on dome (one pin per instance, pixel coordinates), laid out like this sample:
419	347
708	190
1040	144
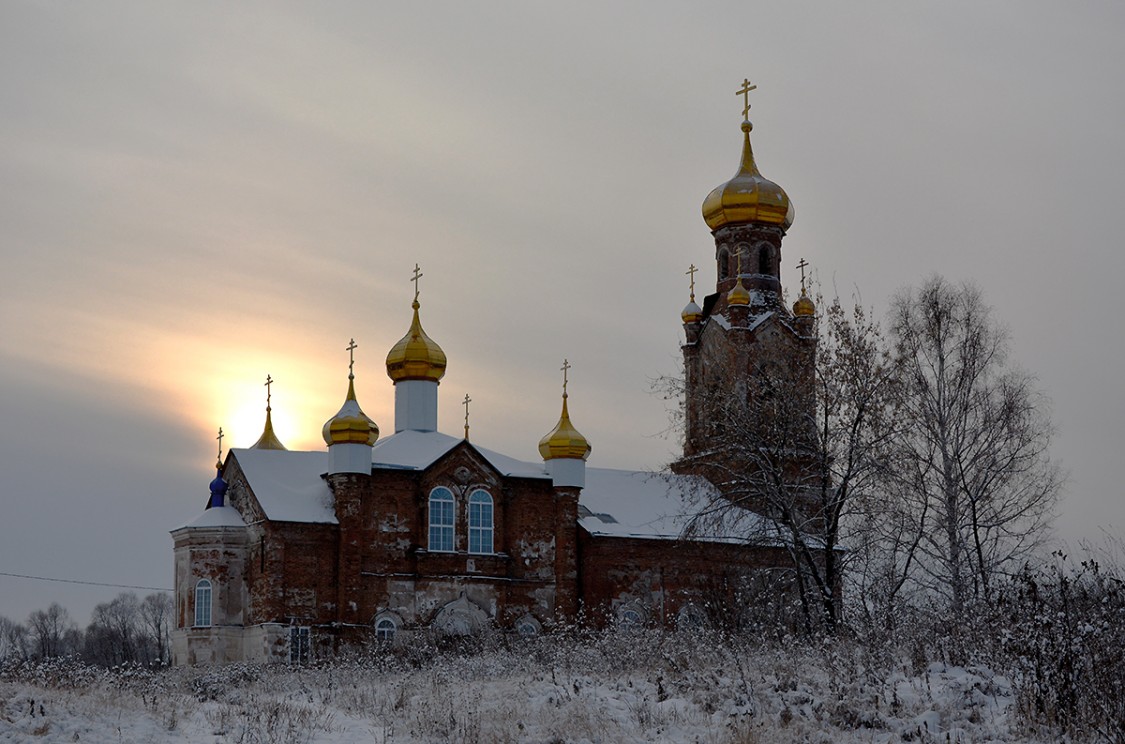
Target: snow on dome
216	516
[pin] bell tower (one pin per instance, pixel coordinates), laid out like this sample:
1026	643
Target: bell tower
743	340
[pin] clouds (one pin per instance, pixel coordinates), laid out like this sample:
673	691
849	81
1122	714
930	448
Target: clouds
195	196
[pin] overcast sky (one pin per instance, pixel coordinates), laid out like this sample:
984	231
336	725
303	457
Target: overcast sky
193	196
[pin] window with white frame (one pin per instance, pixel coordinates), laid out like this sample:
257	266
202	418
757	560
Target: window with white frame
203	604
480	522
385	630
441	520
300	642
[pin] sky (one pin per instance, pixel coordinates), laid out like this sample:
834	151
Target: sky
196	195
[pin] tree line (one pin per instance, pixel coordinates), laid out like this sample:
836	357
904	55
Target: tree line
125	630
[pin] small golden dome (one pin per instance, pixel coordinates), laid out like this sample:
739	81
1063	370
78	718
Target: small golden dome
738	294
351	425
268	440
416	356
692	313
748	197
564	441
804	307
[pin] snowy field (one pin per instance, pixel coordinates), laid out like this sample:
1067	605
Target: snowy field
616	687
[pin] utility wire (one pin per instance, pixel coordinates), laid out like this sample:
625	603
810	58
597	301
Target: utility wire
87	583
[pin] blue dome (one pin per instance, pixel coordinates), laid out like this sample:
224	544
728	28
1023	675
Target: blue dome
218	491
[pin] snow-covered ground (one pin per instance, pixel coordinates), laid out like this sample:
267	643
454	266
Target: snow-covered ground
616	687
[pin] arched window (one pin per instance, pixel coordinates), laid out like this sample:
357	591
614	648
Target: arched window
724	264
480	522
630	618
765	259
203	604
385	630
441	520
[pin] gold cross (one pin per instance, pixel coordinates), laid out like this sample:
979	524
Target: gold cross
352	346
744	91
802	266
740	263
417	276
691	272
220	438
467	401
565	368
269	381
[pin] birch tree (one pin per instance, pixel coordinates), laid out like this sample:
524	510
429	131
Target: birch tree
971	463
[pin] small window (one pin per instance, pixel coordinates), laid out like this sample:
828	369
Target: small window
765	259
299	644
691	618
724	264
528	627
385	630
203	604
480	522
630	619
441	520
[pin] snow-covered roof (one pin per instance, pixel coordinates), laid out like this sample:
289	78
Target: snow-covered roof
630	503
417	450
289	485
216	516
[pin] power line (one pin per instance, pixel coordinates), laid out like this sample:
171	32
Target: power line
87	583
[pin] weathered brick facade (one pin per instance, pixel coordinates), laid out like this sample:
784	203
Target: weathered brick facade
315	550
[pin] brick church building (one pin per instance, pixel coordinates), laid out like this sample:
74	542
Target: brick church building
376	537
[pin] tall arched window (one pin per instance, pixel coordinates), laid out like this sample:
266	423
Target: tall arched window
441	520
203	604
480	522
765	259
724	264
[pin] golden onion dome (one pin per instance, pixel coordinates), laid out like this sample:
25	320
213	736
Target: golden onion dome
416	356
564	441
748	197
692	313
804	307
350	425
738	294
268	440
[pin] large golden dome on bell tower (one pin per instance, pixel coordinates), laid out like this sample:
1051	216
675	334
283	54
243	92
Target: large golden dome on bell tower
749	196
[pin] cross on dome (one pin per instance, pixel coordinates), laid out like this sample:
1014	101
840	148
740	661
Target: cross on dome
269	381
352	346
691	272
466	403
219	461
744	91
415	278
565	369
802	266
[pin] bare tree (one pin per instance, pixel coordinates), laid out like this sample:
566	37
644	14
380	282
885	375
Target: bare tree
13	639
156	618
113	635
799	450
972	464
50	632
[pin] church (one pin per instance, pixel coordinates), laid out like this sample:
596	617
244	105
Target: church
375	537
